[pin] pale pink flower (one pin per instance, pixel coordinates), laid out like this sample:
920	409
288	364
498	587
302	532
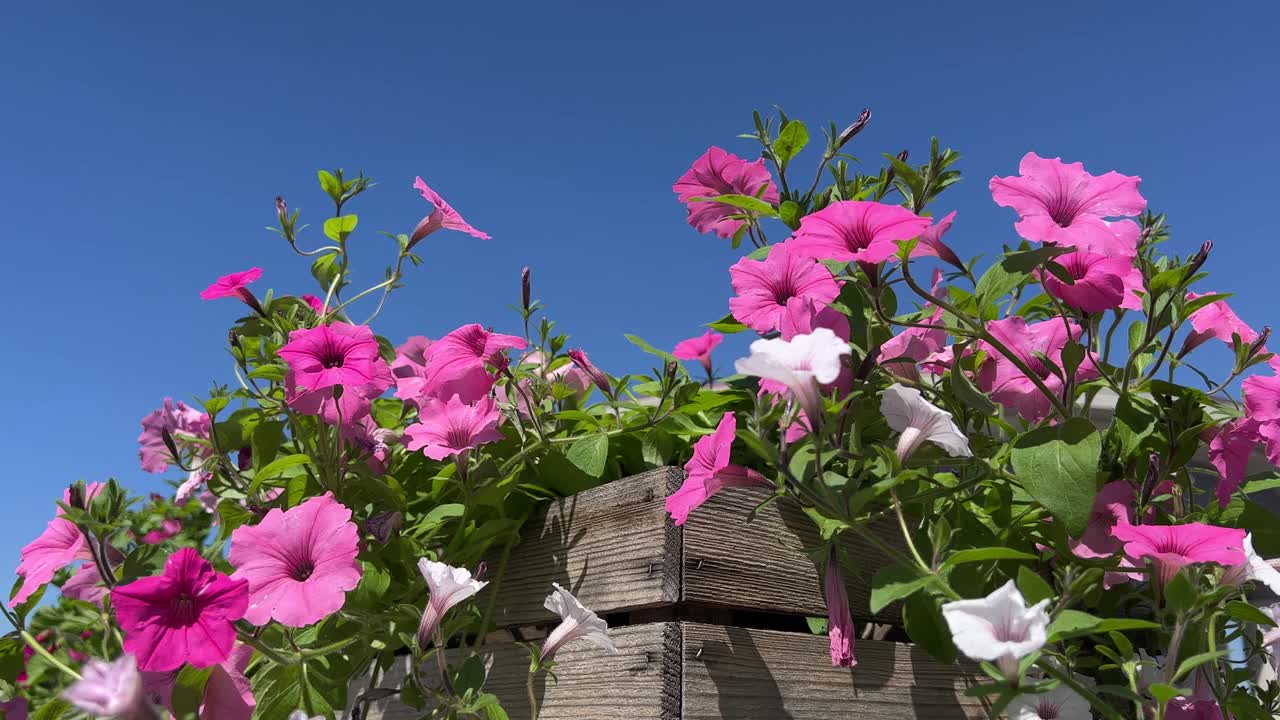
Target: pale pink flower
931	243
1061	204
722	173
442	216
298	563
233	285
409	368
456	363
1006	382
576	622
999	628
802	316
186	614
801	364
185	424
859	230
448	586
698	348
1060	703
840	631
452	427
191	487
85	584
373	441
1173	547
111	689
764	287
1112	506
336	354
709	471
58	546
1099	281
168	528
1255	568
907	412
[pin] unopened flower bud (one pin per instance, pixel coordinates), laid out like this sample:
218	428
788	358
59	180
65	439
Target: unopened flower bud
75	496
282	209
1260	345
1149	482
902	156
383	525
167	437
891	174
670	371
1198	259
234	338
525	290
848	133
598	377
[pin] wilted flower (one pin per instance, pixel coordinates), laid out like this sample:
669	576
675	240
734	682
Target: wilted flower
576	622
709	471
597	375
908	413
801	364
840	630
931	242
999	628
448	586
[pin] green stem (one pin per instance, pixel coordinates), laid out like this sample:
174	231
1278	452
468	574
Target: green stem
39	650
270	654
533	698
1065	678
316	652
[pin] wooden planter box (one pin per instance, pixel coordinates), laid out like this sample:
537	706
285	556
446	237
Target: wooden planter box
708	618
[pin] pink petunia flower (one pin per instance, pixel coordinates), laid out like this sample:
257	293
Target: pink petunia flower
1173	547
1099	281
349	408
410	366
452	427
856	230
456	363
185	424
709	471
840	631
931	243
1262	398
314	303
1215	320
234	285
1061	204
902	353
1230	448
763	287
168	528
336	354
1112	506
593	373
722	173
442	216
699	348
58	546
373	441
86	585
228	695
1006	382
185	615
298	563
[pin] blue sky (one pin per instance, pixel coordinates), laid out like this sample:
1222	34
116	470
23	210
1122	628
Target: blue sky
144	145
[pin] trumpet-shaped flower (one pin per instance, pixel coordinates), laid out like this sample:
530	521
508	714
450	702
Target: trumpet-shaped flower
228	694
722	173
1216	320
442	216
184	424
931	243
1060	703
455	364
576	622
1008	384
184	615
698	348
1173	547
110	689
1061	204
918	421
298	563
336	354
1262	398
840	631
168	528
1112	506
801	364
58	546
856	230
1230	448
234	285
1099	281
1254	567
453	427
709	471
589	370
999	628
764	287
448	586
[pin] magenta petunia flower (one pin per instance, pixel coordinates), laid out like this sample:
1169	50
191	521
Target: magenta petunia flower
1099	281
1112	506
592	373
1216	320
442	216
234	285
902	353
336	354
185	424
456	363
410	365
299	563
763	287
709	471
314	303
1005	381
451	427
699	348
1230	448
354	403
185	615
1061	204
168	528
858	230
722	173
1262	398
931	243
1173	547
58	546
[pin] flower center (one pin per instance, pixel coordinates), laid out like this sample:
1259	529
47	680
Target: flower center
303	569
857	237
184	608
1047	711
1063	208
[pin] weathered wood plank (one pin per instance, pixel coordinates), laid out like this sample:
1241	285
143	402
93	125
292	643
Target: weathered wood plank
640	682
760	564
612	546
735	674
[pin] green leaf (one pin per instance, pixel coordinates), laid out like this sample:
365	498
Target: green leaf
894	583
817	625
1164	693
1196	661
277	467
1244	612
440	513
789	213
52	710
640	343
1179	594
188	690
926	628
727	325
966	393
11	661
1033	587
268	436
1073	623
1058	466
590	454
338	228
973	555
330	184
743	202
325	270
791	140
374	582
231	515
274	373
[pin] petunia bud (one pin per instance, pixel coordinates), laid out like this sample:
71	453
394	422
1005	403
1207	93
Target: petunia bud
1198	259
848	133
282	209
75	495
525	291
1149	482
839	620
1260	345
669	375
167	437
383	525
234	338
902	156
244	458
598	377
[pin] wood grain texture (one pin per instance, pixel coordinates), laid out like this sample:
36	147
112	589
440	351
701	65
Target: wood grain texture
640	682
760	564
612	546
739	674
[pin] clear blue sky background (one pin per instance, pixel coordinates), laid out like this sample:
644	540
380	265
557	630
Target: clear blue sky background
143	145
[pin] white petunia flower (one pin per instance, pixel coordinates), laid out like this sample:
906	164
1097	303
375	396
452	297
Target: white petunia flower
449	586
576	622
907	412
802	364
999	628
1060	703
